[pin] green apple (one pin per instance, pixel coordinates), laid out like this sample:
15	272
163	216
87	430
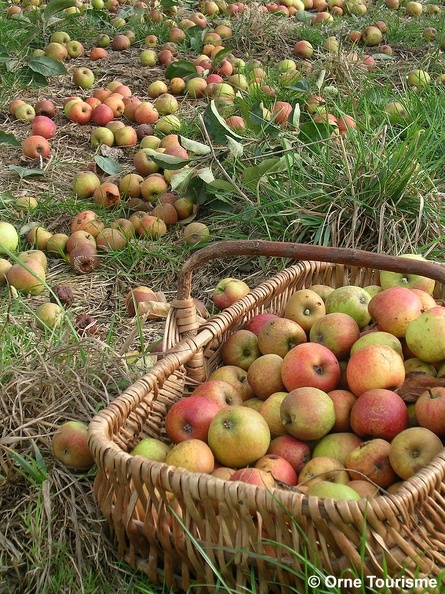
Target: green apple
352	300
152	449
425	336
328	490
9	238
405	279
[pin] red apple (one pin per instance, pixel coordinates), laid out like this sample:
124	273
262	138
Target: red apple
36	146
236	376
43	126
429	410
70	445
343	402
371	460
278	467
374	366
229	290
255	323
311	364
190	418
220	391
294	450
392	309
379	413
336	331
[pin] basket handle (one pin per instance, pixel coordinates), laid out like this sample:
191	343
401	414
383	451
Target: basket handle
301	251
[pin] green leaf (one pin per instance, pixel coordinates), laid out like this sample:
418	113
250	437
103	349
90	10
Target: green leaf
221	55
303	16
294	118
24	172
167	161
168	3
55	6
222	185
180	69
252	175
108	165
197	148
302	86
236	148
8	139
206	174
196	190
47	66
311	132
181	179
216	126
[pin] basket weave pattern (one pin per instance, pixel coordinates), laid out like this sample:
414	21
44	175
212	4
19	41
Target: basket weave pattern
173	524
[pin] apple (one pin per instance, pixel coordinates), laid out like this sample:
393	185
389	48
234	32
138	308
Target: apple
107	195
392	309
193	455
36	146
279	336
228	291
413	8
278	467
80	112
9	238
56	244
79	237
240	349
412	449
411	281
74	48
98	53
397	114
270	409
415	365
352	300
117	105
425	336
49	315
371	35
126	136
236	376
418	78
36	254
85	183
148	57
101	136
238	436
143	163
220	391
5	265
304	307
307	413
310	364
336	331
195	234
70	446
45	107
303	49
151	448
322	290
323	468
377	337
374	366
253	476
27	277
429	410
364	488
294	450
168	124
56	51
379	413
102	114
153	186
330	490
43	126
110	239
140	294
371	460
427	300
337	445
25	112
190	418
257	321
264	375
343	402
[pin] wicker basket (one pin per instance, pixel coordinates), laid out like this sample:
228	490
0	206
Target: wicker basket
184	528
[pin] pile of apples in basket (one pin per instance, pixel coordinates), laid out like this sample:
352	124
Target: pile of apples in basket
343	396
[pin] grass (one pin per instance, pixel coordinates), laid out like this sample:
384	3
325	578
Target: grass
379	187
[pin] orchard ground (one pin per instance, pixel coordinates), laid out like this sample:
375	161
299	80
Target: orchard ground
379	187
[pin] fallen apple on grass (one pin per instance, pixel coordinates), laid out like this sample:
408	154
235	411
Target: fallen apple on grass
70	446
